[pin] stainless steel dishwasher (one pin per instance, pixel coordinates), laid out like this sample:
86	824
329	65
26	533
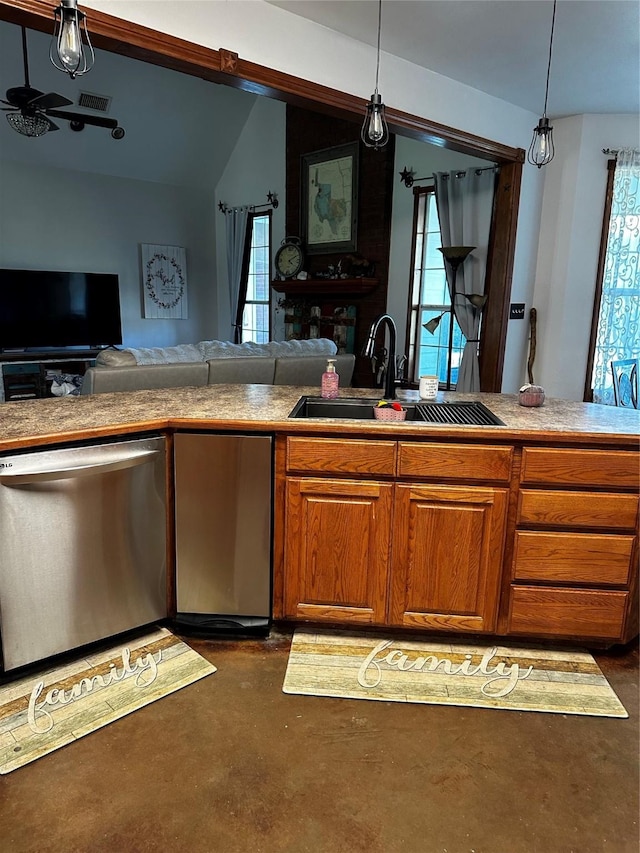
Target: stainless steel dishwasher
82	545
223	485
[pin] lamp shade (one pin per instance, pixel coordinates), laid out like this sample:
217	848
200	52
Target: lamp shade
29	125
456	253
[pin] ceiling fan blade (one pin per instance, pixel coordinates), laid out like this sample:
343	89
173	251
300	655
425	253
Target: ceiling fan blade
97	121
49	101
52	124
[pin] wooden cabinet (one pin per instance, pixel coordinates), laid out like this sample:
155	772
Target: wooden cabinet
443	536
379	550
575	549
337	552
447	557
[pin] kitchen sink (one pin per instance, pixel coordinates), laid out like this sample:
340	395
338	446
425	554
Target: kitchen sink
361	408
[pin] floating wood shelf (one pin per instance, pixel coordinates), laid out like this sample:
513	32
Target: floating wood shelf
334	286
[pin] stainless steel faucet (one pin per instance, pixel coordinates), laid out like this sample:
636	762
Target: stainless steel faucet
390	367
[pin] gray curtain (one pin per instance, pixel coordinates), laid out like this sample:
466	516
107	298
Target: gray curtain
236	225
465	204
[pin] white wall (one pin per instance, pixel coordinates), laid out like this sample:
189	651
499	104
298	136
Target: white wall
257	166
567	258
100	231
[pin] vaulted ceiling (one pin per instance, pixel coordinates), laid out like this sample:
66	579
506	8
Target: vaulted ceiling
179	129
502	46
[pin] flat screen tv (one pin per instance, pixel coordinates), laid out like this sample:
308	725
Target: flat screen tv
41	309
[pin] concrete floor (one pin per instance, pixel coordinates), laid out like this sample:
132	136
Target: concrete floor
231	764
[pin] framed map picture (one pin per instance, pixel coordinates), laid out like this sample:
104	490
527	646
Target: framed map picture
164	282
330	199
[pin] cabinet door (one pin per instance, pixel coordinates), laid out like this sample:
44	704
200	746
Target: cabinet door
447	557
337	549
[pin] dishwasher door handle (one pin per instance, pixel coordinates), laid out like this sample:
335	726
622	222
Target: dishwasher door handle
74	471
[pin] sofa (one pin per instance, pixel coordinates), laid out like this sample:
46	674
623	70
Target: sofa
215	362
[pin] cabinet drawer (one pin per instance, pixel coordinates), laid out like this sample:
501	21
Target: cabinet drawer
335	455
577	509
566	612
573	558
580	467
454	461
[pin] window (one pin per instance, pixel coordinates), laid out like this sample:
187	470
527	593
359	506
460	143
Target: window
257	309
431	353
616	317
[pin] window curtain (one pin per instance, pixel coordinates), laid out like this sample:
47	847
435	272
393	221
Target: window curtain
465	205
236	230
618	334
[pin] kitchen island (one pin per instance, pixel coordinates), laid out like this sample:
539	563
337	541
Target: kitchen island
527	530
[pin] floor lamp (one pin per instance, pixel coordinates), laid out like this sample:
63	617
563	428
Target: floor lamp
455	257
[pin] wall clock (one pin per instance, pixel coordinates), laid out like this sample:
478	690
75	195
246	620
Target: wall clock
289	257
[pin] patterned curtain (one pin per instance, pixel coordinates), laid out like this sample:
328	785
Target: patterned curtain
618	334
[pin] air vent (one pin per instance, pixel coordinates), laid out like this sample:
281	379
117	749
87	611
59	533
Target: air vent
90	101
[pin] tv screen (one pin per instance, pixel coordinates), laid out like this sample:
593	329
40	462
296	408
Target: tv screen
40	309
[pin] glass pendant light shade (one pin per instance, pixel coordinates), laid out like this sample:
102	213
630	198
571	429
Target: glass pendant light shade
67	51
434	322
375	132
29	125
542	149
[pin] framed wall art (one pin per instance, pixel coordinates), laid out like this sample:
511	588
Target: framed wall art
164	282
329	205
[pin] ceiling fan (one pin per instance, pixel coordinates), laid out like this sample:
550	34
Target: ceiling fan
29	110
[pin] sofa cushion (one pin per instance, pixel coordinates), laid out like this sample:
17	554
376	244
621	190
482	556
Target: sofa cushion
278	349
308	370
115	358
167	355
253	369
100	380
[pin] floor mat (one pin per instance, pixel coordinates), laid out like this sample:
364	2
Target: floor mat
360	666
42	712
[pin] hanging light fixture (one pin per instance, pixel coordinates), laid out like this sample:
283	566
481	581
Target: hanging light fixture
34	124
375	133
541	150
67	52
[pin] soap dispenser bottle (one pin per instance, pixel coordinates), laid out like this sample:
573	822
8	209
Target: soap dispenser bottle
330	381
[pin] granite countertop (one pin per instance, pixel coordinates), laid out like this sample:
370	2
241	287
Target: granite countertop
266	407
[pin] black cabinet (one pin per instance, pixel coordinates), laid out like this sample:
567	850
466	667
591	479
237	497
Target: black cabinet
27	376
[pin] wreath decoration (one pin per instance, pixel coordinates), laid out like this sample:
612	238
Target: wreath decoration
152	274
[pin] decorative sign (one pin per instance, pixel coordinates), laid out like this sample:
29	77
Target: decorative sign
164	282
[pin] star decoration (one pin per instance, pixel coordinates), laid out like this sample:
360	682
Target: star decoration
407	176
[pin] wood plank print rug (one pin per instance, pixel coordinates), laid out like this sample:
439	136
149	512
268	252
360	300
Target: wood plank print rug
355	666
42	712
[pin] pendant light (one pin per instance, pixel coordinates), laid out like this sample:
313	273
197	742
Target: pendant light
67	52
541	150
375	133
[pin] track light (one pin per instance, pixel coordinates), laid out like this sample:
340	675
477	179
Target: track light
67	51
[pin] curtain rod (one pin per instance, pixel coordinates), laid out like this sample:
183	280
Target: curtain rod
408	178
272	201
613	152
